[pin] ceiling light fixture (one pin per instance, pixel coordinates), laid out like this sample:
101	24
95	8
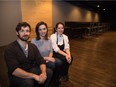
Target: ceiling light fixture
104	9
98	6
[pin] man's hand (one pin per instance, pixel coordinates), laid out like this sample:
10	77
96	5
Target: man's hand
42	78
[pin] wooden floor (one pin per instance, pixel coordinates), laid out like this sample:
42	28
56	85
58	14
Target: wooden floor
94	63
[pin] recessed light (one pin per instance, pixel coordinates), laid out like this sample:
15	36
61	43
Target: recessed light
98	6
104	9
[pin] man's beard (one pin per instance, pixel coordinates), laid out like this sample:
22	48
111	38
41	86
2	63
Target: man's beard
23	39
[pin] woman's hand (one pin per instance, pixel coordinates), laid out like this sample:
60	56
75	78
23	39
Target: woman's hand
49	59
68	58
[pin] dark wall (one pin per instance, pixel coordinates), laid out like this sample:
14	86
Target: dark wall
10	15
109	17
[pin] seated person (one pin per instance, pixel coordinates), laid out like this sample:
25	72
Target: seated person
44	45
61	49
26	66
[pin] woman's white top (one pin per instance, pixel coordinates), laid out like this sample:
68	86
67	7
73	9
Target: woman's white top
53	38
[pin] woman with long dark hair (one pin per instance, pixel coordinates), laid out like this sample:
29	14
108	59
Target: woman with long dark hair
43	43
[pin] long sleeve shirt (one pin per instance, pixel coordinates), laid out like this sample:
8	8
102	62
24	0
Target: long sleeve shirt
15	57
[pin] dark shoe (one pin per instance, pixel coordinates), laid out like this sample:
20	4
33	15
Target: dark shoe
55	84
64	78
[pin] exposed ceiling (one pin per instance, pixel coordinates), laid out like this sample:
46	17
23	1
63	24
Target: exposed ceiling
108	5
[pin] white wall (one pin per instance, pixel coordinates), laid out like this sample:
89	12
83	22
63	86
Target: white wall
10	15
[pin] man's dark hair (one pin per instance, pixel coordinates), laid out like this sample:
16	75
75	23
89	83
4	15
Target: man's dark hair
22	24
